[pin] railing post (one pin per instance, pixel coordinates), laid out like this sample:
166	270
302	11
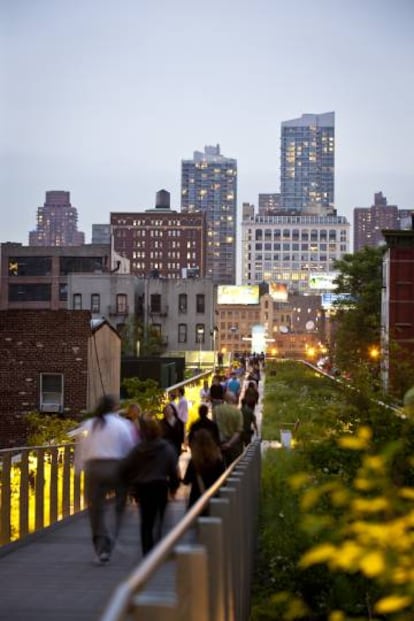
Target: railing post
5	529
40	489
66	481
192	582
220	508
210	535
53	505
24	494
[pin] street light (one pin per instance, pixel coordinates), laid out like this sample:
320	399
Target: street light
200	335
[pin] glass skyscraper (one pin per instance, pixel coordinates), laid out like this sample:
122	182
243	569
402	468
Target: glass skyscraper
209	185
308	164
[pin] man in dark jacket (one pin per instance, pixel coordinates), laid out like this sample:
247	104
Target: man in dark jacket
203	422
150	470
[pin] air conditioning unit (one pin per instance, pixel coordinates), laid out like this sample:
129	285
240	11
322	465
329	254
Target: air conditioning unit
51	407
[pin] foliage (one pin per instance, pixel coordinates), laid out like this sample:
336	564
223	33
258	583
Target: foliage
145	392
336	525
48	429
358	324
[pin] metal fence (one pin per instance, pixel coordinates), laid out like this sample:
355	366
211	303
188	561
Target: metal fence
38	486
208	557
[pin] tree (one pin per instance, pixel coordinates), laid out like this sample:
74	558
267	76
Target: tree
358	309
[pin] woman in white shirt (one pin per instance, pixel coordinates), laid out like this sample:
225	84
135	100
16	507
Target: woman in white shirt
103	441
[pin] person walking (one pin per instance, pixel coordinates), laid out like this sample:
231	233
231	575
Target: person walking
205	466
249	422
230	424
216	392
150	471
172	428
204	422
102	442
133	413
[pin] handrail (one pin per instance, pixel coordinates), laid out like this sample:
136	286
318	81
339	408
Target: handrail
213	574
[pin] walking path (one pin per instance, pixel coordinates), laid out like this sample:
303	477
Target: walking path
54	577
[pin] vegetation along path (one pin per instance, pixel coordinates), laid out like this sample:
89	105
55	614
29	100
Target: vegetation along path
336	526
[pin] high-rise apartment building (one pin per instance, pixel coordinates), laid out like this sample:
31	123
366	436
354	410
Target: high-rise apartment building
161	242
209	185
269	204
369	222
57	222
293	250
307	164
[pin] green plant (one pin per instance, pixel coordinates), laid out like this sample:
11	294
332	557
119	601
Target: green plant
47	429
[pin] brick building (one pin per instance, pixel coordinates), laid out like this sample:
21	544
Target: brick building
54	362
37	277
397	311
161	241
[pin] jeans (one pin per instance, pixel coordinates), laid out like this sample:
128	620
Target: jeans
101	478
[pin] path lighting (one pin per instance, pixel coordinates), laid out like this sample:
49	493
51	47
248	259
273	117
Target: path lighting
374	352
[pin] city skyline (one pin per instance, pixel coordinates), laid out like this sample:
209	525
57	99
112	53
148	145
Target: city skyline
105	101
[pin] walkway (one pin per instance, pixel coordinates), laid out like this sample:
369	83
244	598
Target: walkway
54	577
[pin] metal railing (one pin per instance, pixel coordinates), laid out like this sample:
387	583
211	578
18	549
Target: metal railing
212	573
38	486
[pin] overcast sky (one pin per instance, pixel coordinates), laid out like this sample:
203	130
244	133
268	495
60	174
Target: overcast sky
104	99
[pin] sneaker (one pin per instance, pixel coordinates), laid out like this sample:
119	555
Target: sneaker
103	558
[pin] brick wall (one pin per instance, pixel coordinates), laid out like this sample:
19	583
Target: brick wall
34	342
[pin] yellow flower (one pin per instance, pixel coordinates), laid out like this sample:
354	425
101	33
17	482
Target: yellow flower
319	554
372	564
392	603
370	505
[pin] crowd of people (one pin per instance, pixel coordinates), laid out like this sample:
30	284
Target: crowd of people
134	454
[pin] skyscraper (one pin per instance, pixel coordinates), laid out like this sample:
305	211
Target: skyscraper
308	163
209	185
369	222
57	222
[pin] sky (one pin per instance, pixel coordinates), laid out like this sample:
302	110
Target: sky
104	99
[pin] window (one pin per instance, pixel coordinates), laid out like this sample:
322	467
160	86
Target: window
182	303
182	333
200	303
51	392
30	266
121	304
77	301
63	292
155	303
29	293
95	303
200	333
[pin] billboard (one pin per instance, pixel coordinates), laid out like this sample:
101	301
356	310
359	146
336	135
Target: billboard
278	291
322	280
238	294
328	299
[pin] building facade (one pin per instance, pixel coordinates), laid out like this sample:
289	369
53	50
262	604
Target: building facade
53	362
161	241
290	249
37	277
118	297
369	222
57	222
307	165
269	204
397	310
181	312
209	185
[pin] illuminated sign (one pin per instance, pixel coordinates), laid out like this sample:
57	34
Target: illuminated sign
238	294
322	280
328	299
278	291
